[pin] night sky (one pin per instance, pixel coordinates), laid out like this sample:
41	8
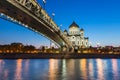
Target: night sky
99	18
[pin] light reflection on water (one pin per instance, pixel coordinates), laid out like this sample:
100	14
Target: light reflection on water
60	69
100	69
18	71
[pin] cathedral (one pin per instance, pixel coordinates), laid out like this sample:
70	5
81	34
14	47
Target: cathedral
76	36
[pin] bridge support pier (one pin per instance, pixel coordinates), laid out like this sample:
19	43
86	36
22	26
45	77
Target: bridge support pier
65	49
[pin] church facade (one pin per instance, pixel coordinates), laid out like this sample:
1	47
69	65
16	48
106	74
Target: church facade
76	36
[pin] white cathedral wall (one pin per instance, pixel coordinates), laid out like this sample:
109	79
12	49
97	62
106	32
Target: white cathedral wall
73	39
78	40
74	30
86	43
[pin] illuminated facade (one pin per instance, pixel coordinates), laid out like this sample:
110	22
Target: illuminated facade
76	36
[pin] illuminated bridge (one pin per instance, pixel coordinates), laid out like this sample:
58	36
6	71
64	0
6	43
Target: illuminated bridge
31	15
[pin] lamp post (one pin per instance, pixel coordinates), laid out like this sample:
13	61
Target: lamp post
60	26
44	2
53	15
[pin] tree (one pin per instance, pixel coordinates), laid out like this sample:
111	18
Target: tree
17	47
29	48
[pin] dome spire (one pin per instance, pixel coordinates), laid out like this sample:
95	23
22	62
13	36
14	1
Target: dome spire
81	29
73	25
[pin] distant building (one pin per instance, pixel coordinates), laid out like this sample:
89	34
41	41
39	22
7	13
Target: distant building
76	36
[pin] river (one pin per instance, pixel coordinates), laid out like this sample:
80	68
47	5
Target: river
59	69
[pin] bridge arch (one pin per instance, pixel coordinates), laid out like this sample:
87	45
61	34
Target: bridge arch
35	19
8	18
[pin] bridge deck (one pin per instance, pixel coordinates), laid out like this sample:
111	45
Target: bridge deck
20	13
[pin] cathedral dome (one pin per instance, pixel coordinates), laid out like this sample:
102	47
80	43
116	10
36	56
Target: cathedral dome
65	30
82	29
74	29
73	25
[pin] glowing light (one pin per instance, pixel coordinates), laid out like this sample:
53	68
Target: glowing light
100	69
1	14
23	24
12	19
53	14
115	69
8	17
53	67
83	68
19	22
18	69
26	25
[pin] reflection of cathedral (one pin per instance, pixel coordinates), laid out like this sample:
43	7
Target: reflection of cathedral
76	36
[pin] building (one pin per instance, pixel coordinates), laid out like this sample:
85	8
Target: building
76	36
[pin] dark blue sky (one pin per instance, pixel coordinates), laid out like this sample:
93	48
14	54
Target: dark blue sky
99	18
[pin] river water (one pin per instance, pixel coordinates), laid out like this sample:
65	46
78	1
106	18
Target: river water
60	69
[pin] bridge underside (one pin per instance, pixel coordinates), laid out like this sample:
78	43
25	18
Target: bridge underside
19	13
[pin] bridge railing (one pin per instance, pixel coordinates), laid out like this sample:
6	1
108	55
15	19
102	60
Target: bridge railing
39	12
33	6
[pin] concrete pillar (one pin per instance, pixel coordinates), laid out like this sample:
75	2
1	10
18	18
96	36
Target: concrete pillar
65	49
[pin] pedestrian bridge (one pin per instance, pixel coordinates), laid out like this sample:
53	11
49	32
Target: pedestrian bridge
31	15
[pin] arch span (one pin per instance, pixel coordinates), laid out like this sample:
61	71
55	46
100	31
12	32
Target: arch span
31	15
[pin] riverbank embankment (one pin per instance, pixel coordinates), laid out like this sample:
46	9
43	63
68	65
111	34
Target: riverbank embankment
55	56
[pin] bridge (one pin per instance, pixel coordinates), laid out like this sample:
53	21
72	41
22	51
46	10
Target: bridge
31	15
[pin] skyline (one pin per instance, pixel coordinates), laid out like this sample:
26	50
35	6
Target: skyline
99	18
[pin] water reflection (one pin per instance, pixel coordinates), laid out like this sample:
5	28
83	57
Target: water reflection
60	69
100	69
70	66
2	71
53	67
64	69
18	71
83	69
91	69
1	65
115	69
26	69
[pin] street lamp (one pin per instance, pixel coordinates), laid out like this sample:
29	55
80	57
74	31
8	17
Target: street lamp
44	2
53	14
60	26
